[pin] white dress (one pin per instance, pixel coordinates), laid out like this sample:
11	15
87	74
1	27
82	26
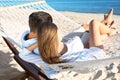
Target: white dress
77	52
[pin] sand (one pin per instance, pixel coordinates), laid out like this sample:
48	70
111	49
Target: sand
10	69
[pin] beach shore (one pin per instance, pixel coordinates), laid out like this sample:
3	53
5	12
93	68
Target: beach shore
9	68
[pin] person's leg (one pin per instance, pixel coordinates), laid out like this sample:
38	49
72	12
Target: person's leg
94	35
107	20
97	30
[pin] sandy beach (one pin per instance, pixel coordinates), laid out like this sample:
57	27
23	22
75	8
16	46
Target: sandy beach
10	69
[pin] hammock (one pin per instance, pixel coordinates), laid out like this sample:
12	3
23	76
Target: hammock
18	13
14	21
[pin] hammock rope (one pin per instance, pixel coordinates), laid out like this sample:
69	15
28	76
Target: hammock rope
17	17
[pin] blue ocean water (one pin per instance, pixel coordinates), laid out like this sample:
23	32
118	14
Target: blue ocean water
94	6
4	3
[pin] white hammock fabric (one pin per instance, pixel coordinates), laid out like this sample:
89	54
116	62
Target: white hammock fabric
17	17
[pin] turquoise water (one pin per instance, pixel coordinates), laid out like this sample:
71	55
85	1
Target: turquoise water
94	6
4	3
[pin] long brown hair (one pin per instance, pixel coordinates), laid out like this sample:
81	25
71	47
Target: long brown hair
48	42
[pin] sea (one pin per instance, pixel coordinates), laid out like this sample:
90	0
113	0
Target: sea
85	6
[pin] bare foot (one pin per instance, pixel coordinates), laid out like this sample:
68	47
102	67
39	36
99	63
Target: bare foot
108	18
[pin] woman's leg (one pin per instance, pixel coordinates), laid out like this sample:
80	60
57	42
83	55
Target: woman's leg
96	31
107	20
94	35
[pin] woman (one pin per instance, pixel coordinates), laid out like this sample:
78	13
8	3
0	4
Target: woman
52	50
